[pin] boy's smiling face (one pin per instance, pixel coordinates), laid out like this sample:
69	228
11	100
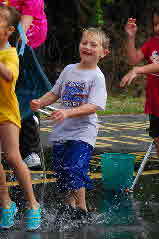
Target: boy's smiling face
91	49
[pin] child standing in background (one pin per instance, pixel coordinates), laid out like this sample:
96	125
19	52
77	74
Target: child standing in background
82	91
149	51
10	127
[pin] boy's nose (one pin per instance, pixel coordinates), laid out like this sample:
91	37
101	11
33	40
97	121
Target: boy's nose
88	46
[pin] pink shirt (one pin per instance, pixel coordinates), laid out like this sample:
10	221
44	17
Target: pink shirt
37	32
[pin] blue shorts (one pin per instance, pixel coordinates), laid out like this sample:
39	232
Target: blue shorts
71	163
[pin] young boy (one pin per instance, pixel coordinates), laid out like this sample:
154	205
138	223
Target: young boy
10	127
82	91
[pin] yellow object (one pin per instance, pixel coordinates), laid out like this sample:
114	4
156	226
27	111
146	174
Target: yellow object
9	107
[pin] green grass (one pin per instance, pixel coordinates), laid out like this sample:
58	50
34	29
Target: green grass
123	105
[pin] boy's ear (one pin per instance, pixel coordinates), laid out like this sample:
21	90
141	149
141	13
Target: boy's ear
105	53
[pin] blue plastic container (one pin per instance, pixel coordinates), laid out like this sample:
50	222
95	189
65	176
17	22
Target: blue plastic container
117	170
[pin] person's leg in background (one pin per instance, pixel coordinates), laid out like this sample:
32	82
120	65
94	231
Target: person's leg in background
30	146
30	142
154	131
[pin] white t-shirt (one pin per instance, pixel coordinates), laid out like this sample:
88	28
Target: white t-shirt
76	87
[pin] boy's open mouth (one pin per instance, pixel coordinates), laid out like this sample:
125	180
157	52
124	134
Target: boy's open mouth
86	53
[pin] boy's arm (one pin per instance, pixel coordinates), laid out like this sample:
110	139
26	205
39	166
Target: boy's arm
96	101
48	98
134	55
45	100
83	110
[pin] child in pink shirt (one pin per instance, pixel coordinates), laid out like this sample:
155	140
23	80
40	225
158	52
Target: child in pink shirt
37	30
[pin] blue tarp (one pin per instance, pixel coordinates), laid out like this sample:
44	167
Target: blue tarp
32	82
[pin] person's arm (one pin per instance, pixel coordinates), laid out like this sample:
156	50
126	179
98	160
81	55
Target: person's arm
149	68
134	55
83	110
96	101
47	99
5	73
138	70
10	69
26	21
29	10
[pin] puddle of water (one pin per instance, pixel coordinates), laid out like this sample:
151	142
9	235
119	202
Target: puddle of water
132	216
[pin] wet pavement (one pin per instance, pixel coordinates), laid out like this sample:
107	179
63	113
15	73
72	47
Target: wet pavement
117	133
113	215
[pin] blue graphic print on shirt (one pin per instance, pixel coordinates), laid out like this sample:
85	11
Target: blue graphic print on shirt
73	94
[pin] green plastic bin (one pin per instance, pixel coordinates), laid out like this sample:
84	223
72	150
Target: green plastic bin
117	170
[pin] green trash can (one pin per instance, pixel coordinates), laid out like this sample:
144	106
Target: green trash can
117	171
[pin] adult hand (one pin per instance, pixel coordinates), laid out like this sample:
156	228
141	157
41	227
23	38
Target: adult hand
35	104
131	27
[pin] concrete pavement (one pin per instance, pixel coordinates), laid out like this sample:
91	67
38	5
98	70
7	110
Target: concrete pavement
117	133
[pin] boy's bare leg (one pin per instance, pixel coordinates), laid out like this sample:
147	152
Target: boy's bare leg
80	198
9	138
157	145
4	194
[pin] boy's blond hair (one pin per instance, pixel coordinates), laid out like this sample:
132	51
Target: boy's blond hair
105	41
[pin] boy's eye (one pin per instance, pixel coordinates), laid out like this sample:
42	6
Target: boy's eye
94	45
84	42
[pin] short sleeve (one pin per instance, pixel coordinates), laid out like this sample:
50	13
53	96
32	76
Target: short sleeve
12	63
98	93
32	7
58	85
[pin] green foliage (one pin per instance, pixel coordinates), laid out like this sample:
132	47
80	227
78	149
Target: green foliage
99	11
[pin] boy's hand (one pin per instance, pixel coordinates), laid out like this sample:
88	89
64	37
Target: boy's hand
129	77
131	27
59	115
35	104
